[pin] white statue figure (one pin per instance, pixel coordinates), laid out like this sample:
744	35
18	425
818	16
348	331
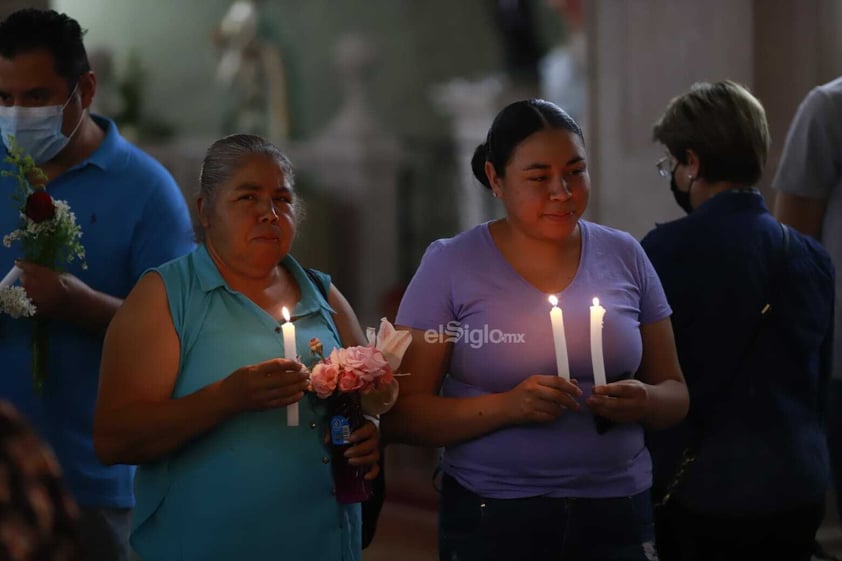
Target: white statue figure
252	69
471	106
563	69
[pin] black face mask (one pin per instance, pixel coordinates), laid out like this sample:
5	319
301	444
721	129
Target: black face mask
681	197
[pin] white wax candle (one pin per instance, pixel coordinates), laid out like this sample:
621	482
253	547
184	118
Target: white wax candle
12	276
597	314
288	330
559	341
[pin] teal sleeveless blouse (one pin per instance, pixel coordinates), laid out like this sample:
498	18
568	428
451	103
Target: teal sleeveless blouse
252	487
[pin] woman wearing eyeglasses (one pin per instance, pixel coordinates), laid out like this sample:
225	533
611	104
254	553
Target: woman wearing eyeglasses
752	305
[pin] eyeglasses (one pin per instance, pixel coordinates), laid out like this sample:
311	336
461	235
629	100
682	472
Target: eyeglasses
665	167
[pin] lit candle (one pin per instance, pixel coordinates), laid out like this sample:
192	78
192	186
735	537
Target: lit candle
597	314
11	276
288	330
557	321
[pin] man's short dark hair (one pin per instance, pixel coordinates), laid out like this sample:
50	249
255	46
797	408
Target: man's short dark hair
30	29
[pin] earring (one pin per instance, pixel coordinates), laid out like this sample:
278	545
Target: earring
691	177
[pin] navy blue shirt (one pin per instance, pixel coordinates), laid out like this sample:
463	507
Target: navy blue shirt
757	404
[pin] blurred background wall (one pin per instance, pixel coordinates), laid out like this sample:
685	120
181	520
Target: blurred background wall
642	53
417	43
384	100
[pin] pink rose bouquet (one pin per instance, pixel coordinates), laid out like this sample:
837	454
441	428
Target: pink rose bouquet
357	381
49	236
368	370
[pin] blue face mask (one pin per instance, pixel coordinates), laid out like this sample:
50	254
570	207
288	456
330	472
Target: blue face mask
37	130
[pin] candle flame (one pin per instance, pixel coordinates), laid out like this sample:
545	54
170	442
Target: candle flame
553	300
285	313
596	302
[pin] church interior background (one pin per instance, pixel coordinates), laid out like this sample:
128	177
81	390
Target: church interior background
380	104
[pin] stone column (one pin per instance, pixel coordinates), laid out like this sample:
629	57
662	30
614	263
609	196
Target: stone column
471	107
355	161
641	54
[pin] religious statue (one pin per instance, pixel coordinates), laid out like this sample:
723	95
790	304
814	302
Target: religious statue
563	69
252	71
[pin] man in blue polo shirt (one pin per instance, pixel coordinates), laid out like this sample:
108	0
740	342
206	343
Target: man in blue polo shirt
133	217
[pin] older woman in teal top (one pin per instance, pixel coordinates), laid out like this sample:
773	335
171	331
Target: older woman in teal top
192	387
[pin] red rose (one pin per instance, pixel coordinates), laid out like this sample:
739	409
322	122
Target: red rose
39	206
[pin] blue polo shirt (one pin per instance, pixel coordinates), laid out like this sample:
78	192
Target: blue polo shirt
133	217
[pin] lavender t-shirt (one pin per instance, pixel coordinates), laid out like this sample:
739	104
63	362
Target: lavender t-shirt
466	292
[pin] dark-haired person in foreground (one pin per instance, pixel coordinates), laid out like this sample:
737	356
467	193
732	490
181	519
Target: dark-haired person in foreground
132	216
38	518
527	475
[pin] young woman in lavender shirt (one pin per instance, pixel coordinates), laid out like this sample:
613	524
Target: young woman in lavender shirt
527	475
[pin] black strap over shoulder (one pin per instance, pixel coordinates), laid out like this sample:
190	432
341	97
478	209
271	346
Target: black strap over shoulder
370	508
785	232
701	431
773	284
317	281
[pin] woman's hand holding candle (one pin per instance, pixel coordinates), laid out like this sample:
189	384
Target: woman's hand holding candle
266	385
624	401
541	398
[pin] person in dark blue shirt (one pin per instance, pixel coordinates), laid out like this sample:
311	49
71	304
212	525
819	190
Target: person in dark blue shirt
752	314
